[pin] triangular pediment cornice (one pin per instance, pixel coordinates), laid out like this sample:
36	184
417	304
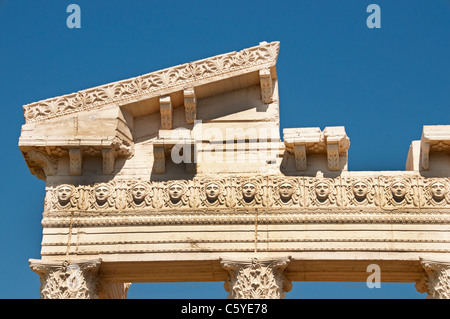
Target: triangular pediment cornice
157	83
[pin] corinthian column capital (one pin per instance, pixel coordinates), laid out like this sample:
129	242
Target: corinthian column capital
256	279
65	280
436	280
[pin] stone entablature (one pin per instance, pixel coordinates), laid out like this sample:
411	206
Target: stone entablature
184	171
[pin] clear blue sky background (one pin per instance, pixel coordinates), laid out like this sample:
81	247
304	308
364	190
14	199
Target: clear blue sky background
383	85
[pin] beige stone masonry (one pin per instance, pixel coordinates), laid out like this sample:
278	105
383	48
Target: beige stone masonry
182	175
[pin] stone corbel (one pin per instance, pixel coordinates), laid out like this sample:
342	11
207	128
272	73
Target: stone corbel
159	158
65	280
165	107
256	279
75	161
337	143
41	164
178	145
333	157
435	138
265	78
296	141
436	279
300	157
190	105
109	159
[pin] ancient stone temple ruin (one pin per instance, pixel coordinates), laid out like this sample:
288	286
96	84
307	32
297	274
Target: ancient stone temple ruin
183	175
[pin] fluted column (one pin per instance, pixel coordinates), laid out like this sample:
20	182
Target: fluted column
256	279
65	280
436	280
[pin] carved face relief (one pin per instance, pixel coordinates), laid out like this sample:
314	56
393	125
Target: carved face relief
249	191
360	190
64	194
139	192
175	192
398	190
438	191
102	193
286	190
322	191
212	192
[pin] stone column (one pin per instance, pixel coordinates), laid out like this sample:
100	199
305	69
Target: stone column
64	280
256	279
112	290
436	280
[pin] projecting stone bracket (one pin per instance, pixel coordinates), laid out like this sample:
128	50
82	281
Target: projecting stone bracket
176	146
190	105
41	165
302	141
106	134
435	138
166	111
265	78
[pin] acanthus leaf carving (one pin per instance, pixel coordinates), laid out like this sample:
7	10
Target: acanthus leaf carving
257	279
68	280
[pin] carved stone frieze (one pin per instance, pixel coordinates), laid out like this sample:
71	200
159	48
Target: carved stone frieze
322	192
257	279
390	193
436	192
398	192
359	192
68	280
287	192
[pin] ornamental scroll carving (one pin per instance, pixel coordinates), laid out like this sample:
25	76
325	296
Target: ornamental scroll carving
153	83
388	193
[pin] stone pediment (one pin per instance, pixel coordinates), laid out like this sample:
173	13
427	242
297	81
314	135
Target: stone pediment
100	121
209	76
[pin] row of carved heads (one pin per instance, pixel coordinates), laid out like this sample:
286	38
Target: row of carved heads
277	192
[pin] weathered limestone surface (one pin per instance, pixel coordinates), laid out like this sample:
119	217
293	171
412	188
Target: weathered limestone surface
183	175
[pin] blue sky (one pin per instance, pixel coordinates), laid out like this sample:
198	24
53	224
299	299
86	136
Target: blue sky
382	84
